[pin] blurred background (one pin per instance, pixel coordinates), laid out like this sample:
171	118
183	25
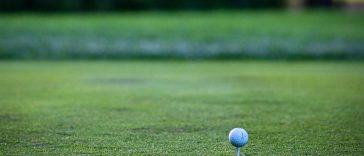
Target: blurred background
135	5
181	29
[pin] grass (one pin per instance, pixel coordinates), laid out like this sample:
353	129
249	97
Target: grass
183	35
181	108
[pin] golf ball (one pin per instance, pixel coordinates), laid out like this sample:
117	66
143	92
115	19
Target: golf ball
238	137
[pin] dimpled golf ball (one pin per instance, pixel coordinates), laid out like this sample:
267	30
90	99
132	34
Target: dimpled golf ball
238	137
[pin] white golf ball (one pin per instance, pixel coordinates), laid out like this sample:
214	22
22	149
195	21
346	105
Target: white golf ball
238	137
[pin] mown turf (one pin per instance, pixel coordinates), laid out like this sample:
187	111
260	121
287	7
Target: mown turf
181	108
184	35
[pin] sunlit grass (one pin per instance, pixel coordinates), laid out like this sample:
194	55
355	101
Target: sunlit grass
187	108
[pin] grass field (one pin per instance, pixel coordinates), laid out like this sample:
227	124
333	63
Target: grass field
181	108
184	35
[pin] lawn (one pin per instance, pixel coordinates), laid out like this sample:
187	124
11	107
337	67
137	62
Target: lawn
181	108
184	35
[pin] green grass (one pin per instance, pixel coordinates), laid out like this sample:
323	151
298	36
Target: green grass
181	108
184	35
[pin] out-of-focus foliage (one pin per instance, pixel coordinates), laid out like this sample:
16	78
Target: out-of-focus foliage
99	5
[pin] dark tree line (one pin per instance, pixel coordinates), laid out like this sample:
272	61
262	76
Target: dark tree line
120	5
